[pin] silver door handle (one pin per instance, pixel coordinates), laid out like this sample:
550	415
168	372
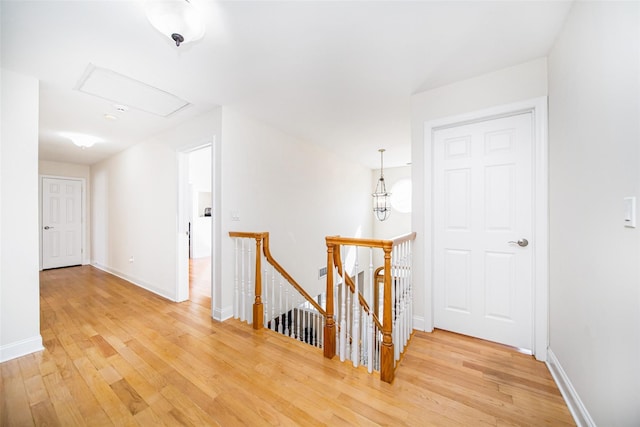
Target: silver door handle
46	227
522	242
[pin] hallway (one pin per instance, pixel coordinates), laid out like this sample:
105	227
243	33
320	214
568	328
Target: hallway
119	355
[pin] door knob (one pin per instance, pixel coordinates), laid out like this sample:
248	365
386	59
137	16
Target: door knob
46	227
522	242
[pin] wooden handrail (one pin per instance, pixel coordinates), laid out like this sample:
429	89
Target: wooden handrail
356	241
291	280
248	235
262	239
404	238
372	243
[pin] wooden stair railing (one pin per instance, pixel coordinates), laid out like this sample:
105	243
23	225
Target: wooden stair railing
391	305
378	343
262	242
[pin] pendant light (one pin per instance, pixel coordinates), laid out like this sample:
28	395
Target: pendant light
177	19
381	205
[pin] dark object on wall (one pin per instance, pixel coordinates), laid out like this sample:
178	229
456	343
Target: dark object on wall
207	211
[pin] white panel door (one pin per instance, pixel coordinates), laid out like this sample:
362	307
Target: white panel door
61	222
482	208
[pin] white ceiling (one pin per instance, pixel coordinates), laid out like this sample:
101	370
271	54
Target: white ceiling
334	73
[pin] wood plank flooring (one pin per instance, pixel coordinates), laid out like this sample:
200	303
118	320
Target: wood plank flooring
200	281
118	355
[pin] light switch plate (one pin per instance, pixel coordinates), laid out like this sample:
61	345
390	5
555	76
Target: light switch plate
630	212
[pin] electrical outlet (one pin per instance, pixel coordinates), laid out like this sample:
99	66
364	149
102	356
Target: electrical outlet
131	259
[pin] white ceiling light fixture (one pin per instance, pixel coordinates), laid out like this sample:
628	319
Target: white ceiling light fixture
177	19
81	140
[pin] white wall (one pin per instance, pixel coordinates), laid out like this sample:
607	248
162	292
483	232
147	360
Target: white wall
19	279
594	131
277	183
518	83
297	192
398	223
134	206
70	170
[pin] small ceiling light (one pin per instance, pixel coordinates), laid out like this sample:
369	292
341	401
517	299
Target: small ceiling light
381	205
177	19
110	117
80	139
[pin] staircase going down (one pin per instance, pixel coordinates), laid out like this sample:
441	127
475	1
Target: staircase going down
363	315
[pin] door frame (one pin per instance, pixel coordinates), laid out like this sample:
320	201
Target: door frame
540	194
182	250
83	206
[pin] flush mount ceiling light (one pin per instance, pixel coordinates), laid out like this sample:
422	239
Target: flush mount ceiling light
177	19
381	205
80	139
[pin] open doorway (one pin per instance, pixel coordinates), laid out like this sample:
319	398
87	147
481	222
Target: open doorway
196	225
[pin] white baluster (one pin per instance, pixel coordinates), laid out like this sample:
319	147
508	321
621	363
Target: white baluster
355	341
410	284
343	301
266	302
280	291
273	299
243	283
306	334
363	333
236	274
295	324
370	342
369	291
316	330
321	332
286	306
250	274
407	299
300	319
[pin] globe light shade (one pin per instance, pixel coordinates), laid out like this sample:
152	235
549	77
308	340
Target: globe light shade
177	19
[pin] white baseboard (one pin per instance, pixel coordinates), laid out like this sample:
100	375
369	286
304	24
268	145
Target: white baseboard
578	410
418	323
222	314
134	281
20	348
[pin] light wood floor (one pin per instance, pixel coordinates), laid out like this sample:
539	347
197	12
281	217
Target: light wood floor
118	355
200	281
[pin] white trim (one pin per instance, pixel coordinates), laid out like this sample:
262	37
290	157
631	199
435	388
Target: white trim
418	323
21	348
576	407
538	108
139	283
83	204
182	279
222	314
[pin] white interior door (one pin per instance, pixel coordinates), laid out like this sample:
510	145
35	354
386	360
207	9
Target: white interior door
61	222
483	201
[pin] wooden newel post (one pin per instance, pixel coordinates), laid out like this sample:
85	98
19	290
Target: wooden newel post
386	349
330	324
258	313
